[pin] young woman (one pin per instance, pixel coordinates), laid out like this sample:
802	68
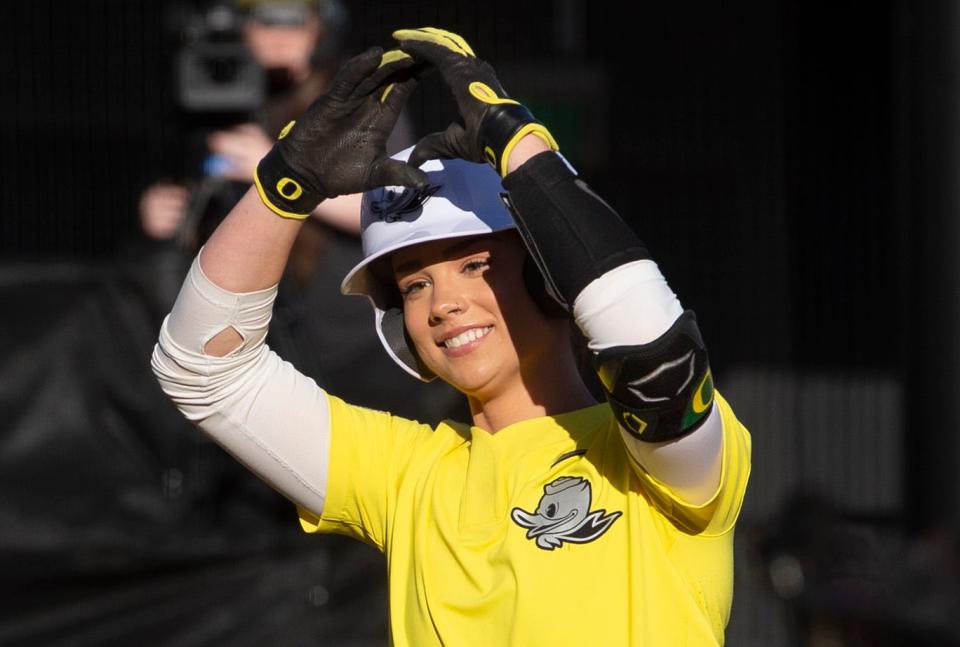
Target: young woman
551	519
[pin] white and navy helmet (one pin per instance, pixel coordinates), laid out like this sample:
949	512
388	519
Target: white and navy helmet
461	199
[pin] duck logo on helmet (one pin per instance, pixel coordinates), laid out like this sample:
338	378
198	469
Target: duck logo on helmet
397	203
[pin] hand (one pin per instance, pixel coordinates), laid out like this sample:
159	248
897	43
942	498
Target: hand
243	147
338	145
163	206
492	123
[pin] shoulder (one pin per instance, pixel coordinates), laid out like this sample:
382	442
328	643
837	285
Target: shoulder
385	434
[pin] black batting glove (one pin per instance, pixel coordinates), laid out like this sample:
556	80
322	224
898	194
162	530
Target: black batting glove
492	123
338	145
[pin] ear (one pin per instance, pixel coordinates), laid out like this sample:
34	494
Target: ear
534	282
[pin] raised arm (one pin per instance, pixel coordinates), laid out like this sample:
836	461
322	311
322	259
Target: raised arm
211	359
649	353
647	349
336	149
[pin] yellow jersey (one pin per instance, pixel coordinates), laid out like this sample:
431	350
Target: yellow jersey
545	533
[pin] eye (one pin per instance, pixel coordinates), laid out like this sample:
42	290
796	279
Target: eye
412	287
476	265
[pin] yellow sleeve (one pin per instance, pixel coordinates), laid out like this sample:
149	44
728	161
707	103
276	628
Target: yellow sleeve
719	513
368	452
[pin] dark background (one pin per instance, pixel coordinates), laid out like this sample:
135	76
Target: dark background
792	165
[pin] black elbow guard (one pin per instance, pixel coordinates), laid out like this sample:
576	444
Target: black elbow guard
662	390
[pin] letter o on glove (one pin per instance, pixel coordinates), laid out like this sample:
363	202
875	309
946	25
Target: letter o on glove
284	187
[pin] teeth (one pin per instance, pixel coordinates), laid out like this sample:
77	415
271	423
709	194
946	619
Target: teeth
466	337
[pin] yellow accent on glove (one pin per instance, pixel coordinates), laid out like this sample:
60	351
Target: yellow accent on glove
453	42
286	130
485	93
285	183
391	56
530	129
280	212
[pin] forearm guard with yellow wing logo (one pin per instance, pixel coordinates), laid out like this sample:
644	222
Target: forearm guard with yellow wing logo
662	390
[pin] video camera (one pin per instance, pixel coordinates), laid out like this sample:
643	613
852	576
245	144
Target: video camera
215	70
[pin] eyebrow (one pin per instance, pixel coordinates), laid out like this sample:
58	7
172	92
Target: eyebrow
415	265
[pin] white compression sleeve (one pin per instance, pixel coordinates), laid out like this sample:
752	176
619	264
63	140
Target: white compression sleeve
259	408
629	305
632	305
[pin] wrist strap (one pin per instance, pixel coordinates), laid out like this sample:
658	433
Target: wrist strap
503	126
284	191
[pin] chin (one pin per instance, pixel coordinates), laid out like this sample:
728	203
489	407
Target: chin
482	385
466	384
482	374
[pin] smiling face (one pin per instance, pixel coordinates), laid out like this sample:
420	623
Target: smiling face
469	315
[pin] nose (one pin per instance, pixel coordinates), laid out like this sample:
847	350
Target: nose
446	301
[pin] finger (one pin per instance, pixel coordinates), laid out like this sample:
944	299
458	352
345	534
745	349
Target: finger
173	203
435	37
394	62
227	146
428	52
391	172
248	138
439	57
433	146
169	215
169	191
355	71
227	142
455	40
394	96
249	129
393	56
214	140
392	99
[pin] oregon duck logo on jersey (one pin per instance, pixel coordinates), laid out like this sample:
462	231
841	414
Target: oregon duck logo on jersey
563	515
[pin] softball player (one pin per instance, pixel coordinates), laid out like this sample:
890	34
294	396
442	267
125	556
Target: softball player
550	519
